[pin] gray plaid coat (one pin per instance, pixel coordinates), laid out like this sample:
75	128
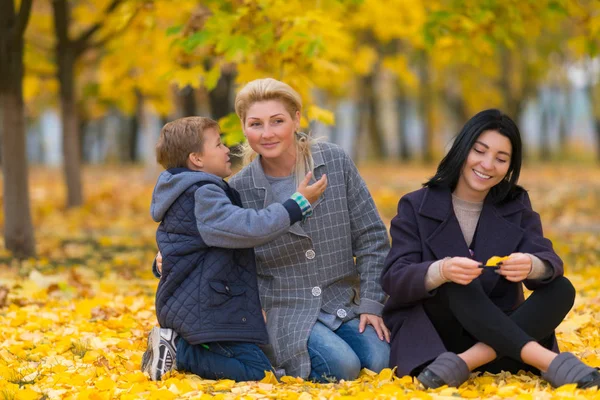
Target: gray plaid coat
312	267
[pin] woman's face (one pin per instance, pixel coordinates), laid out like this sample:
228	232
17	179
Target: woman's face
486	165
270	128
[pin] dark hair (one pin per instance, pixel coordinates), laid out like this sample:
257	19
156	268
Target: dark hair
449	169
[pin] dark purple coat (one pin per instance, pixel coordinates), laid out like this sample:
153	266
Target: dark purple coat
425	230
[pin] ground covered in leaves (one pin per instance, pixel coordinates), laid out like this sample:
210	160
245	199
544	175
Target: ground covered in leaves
73	322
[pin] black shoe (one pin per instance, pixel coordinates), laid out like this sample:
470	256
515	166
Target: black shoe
447	369
430	380
590	380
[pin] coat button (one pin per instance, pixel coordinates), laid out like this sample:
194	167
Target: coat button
243	319
316	291
310	254
341	313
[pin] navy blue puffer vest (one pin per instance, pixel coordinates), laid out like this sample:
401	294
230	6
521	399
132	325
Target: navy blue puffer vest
205	294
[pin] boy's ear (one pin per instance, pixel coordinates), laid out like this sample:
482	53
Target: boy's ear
195	159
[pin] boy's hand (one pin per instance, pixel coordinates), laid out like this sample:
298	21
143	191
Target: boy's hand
461	270
159	262
314	191
516	268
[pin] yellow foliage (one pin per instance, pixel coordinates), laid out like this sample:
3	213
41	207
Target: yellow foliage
75	320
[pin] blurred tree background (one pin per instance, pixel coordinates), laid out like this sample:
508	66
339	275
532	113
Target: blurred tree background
91	82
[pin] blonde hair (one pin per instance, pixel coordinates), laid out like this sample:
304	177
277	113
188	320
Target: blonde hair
181	137
271	89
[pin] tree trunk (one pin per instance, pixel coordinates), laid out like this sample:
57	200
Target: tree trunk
426	113
370	141
134	127
66	56
510	104
70	128
564	119
18	227
402	103
593	92
220	96
544	137
188	101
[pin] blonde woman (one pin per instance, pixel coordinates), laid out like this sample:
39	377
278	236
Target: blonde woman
319	282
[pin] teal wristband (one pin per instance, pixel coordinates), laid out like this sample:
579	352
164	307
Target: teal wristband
304	205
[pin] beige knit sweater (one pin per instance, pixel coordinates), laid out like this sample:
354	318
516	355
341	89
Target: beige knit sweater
467	213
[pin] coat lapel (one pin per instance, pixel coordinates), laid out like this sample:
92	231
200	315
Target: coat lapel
447	239
495	235
319	164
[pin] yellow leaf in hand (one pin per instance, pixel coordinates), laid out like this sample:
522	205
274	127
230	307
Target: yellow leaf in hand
493	261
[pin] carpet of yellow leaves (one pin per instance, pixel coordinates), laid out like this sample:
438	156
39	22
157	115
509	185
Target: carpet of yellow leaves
73	322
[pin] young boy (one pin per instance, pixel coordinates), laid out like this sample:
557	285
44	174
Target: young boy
207	301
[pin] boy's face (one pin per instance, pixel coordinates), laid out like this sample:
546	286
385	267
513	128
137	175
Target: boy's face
215	155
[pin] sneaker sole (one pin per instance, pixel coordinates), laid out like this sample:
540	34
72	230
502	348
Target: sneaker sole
154	370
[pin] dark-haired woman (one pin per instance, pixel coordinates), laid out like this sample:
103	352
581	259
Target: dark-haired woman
448	314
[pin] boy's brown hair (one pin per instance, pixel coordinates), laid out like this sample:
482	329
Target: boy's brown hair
181	137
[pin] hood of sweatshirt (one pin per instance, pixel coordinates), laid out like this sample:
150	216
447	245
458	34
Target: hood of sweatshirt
172	183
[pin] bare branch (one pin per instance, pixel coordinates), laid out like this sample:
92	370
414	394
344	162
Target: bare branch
101	42
82	42
23	18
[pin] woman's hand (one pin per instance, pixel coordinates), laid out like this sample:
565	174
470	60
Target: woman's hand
377	323
460	270
516	267
159	262
314	191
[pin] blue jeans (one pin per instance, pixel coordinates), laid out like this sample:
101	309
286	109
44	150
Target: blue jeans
342	353
223	360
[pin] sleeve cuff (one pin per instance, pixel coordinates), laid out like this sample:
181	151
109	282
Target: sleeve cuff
539	269
304	205
293	210
433	276
368	306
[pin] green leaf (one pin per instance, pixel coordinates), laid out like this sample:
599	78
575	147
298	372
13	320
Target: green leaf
284	45
231	129
234	45
555	6
195	40
173	30
313	47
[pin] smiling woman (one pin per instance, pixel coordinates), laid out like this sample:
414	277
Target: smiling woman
485	167
318	282
447	315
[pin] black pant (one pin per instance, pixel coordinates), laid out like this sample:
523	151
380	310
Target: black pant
464	315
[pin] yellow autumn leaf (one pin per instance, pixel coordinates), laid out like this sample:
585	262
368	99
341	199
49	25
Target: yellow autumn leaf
320	114
493	261
269	378
28	394
64	342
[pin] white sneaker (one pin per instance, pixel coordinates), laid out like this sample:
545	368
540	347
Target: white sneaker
159	357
